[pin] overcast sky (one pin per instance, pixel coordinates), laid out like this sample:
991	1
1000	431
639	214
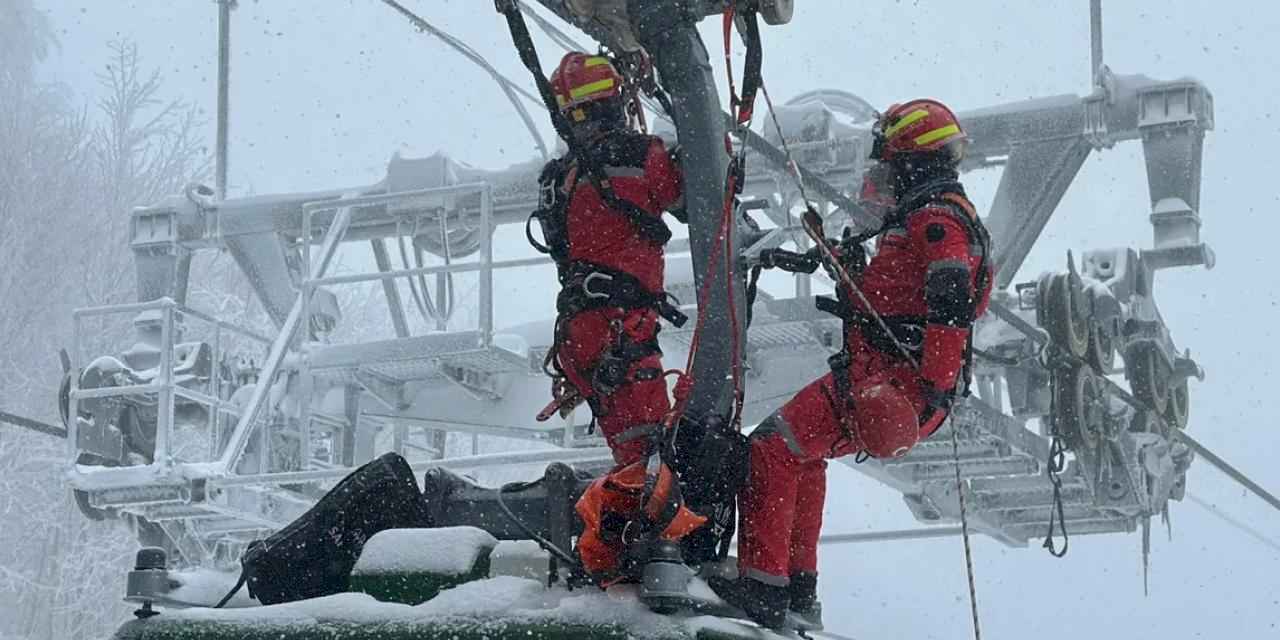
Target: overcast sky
325	92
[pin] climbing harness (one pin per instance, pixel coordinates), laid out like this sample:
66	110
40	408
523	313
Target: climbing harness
584	286
584	293
811	221
650	226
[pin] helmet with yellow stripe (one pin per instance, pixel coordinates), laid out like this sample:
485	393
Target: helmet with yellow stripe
917	127
584	83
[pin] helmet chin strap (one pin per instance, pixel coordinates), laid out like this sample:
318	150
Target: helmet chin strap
909	180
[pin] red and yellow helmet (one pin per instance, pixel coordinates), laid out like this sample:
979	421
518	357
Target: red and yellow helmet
917	126
583	79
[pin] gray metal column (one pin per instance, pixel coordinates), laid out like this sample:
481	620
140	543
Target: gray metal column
668	30
1095	41
224	98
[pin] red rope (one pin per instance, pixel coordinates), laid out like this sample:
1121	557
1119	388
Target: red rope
734	100
685	381
723	253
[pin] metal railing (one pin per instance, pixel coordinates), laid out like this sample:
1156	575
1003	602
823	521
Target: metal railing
163	385
484	266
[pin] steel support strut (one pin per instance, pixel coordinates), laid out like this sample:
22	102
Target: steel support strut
668	31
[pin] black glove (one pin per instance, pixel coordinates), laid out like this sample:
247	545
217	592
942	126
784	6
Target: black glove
789	260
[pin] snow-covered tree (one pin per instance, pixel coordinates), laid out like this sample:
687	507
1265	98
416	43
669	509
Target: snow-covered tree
69	175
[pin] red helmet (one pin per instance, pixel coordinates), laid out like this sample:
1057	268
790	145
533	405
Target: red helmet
582	79
887	423
917	126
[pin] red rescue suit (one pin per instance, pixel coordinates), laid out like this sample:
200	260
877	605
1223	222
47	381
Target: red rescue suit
601	240
611	272
927	270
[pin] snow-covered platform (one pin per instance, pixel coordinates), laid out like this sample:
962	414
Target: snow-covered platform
500	608
434	584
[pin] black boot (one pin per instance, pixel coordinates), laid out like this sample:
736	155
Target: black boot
803	595
764	603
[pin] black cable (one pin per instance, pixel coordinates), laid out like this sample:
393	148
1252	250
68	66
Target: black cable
547	545
511	89
421	299
661	110
244	577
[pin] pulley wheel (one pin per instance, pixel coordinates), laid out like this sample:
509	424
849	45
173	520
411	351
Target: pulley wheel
1082	408
1102	331
1102	351
1178	410
1064	321
777	12
1148	377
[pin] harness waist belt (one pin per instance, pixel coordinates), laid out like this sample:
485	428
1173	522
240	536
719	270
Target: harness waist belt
907	330
586	286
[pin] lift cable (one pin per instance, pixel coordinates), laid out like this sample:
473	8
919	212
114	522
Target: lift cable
510	88
561	38
34	425
755	141
1248	530
1230	471
567	43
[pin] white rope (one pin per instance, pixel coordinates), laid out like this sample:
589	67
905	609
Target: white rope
964	531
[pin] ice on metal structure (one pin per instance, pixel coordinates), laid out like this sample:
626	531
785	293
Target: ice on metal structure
209	434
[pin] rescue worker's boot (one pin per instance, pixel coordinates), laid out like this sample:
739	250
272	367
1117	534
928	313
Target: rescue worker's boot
764	603
803	595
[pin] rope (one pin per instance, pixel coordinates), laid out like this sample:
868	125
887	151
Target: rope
743	108
511	89
561	38
815	231
741	117
685	380
811	216
964	533
1054	467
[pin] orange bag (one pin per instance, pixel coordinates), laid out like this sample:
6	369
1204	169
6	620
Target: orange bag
613	516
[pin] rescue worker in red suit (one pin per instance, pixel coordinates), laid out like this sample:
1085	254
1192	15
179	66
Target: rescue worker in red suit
928	281
606	234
